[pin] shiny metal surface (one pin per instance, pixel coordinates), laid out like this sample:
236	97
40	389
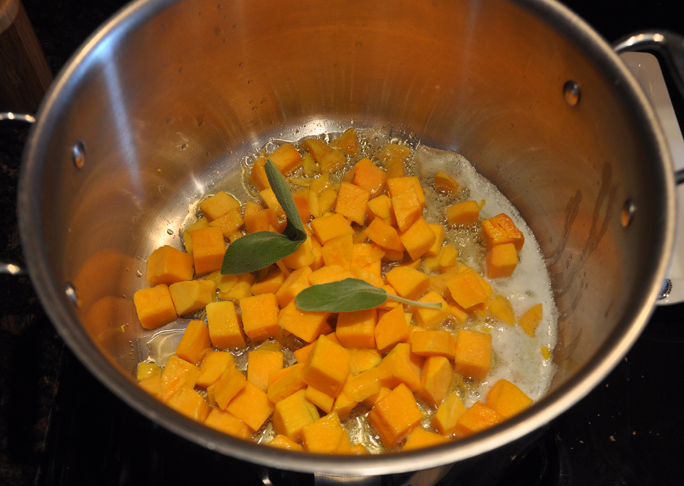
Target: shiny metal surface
169	96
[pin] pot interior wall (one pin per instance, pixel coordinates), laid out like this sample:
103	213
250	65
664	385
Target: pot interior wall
170	100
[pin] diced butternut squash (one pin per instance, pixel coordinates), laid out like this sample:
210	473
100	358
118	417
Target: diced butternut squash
240	289
258	219
507	399
380	207
329	273
146	370
473	354
192	295
467	290
500	308
195	342
213	365
530	320
270	283
231	382
445	183
440	234
351	202
291	414
408	282
167	265
435	379
501	229
208	248
363	359
252	406
261	364
384	235
322	400
324	435
431	318
333	161
329	227
228	424
421	438
357	329
190	403
257	175
448	413
317	148
401	366
501	260
154	306
286	382
369	176
363	385
391	329
223	322
303	256
229	223
217	205
348	142
344	405
283	442
152	385
395	416
260	316
338	251
407	208
466	212
293	284
476	419
177	373
305	325
327	366
286	158
397	185
433	343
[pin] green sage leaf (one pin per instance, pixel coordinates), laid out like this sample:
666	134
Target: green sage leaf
295	228
350	294
259	250
256	251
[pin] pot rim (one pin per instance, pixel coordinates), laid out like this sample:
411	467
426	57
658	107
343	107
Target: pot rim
545	410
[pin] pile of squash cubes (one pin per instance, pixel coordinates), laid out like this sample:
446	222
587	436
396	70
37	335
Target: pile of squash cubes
389	362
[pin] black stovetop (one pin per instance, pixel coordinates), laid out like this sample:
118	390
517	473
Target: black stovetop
60	426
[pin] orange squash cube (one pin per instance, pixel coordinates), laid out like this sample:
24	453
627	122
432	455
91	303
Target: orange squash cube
322	400
285	382
260	316
154	306
177	373
208	248
257	175
333	161
466	212
317	148
252	406
324	435
195	342
190	403
229	223
261	364
187	237
283	442
227	423
433	343
397	185
530	320
507	399
270	283
217	205
258	219
380	207
344	405
421	438
167	265
395	416
363	385
303	256
467	290
348	142
297	281
327	366
146	370
291	414
338	251
329	273
500	308
431	318
448	413
445	183
501	260
369	176
303	324
473	354
476	419
435	379
331	226
408	282
352	201
440	234
391	329
192	295
407	208
231	382
384	235
286	158
401	366
501	229
363	360
357	329
213	365
223	322
152	385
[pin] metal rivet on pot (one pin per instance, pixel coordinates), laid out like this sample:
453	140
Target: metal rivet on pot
78	154
627	213
70	292
571	92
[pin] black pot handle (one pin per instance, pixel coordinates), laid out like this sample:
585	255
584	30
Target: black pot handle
10	267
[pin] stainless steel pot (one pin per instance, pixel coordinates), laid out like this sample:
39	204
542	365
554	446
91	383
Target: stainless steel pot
168	96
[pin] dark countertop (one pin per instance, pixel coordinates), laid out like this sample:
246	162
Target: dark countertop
629	430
